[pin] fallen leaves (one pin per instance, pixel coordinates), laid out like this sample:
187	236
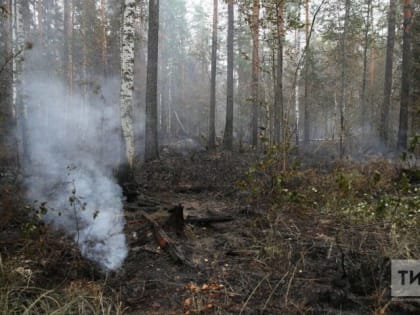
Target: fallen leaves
202	298
205	287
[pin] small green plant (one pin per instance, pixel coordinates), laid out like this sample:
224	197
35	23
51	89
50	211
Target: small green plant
76	204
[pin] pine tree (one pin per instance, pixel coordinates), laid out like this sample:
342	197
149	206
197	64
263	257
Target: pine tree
228	136
279	106
388	71
151	147
405	76
212	118
255	27
344	60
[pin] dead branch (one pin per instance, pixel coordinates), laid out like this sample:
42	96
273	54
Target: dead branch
165	242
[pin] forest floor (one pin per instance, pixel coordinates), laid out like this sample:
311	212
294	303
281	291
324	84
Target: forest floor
316	239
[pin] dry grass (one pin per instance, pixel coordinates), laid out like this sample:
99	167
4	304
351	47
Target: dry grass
323	225
20	295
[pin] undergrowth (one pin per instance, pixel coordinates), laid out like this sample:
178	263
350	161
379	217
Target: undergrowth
19	294
42	272
344	219
356	193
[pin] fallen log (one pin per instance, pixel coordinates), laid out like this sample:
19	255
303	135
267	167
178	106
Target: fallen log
177	221
165	242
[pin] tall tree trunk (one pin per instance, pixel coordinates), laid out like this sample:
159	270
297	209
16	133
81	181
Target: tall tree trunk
306	123
18	48
228	136
272	108
297	88
5	72
416	73
164	128
405	76
68	44
242	79
212	114
278	97
363	97
40	18
152	149
370	98
255	26
343	76
104	42
127	80
384	128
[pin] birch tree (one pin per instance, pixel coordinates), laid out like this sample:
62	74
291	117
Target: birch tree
127	79
18	46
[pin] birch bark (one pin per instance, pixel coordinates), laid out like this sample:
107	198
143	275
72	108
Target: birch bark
18	46
127	79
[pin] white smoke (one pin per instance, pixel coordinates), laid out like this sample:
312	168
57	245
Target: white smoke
74	144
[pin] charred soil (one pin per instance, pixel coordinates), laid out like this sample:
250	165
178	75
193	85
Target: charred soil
306	241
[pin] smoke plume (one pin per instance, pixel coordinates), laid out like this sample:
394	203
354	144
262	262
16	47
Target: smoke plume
73	145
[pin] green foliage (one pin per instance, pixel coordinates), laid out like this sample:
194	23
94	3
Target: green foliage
368	193
265	177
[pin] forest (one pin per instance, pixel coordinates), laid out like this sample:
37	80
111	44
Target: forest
209	157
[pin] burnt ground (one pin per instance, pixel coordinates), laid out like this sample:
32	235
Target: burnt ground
281	259
292	261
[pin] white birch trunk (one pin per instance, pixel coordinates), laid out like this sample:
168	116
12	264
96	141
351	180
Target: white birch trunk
127	79
18	46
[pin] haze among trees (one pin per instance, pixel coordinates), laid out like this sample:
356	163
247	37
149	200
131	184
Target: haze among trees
284	73
271	102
